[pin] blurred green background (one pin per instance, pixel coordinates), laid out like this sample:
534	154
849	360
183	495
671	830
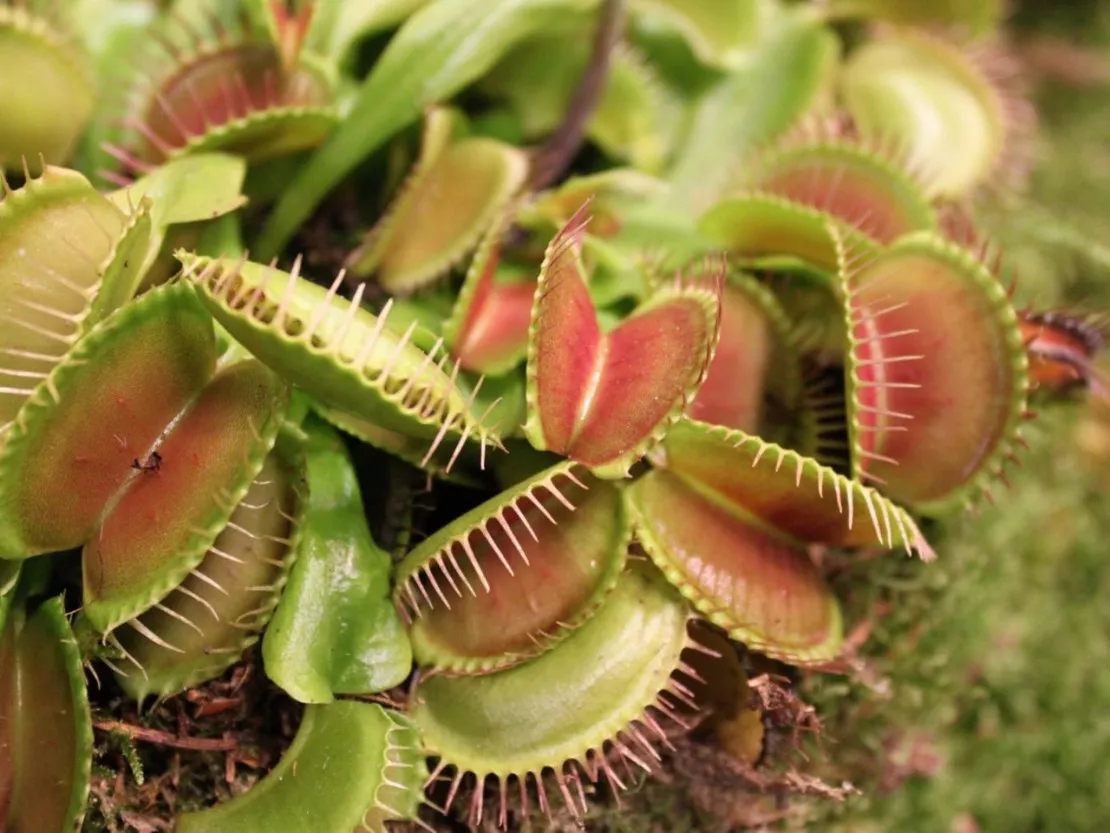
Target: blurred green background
998	656
987	708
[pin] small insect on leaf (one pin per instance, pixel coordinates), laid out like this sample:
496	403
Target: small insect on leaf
104	406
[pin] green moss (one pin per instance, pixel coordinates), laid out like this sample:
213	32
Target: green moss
998	656
996	659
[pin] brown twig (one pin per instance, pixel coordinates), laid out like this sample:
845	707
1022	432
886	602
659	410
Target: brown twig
551	160
166	739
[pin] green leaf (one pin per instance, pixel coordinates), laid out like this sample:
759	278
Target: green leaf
9	577
453	195
336	630
929	96
58	240
338	351
48	92
352	766
439	50
45	727
198	187
718	31
567	704
780	84
978	16
337	25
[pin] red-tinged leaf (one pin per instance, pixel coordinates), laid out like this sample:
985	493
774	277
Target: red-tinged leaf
762	589
654	360
208	620
488	328
785	491
852	183
565	344
103	407
753	360
604	399
495	336
238	97
513	577
176	504
937	372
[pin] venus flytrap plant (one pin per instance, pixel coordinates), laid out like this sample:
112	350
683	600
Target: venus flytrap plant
335	630
453	580
487	330
380	778
587	397
456	189
512	578
49	89
230	89
730	511
52	292
959	376
928	95
775	234
767	347
148	523
868	189
129	377
206	622
205	465
46	742
601	705
339	352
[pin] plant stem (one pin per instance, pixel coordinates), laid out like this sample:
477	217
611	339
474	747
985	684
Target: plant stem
166	739
552	160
